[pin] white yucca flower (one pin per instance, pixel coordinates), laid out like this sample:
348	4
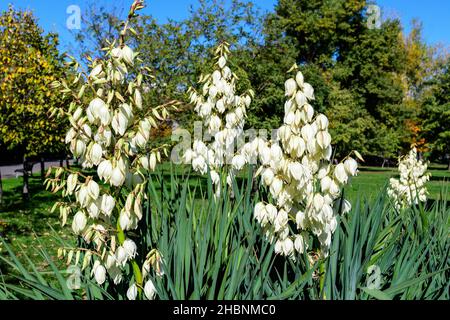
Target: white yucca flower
297	170
410	188
223	113
110	133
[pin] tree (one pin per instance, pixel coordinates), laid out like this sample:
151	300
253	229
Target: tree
29	63
324	30
177	51
436	115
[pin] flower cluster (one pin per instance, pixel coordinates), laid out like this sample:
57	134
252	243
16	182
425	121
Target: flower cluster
111	134
302	181
410	188
223	114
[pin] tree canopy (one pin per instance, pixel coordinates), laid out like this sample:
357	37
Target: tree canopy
29	63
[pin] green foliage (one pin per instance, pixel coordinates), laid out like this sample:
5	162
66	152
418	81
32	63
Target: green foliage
213	249
29	63
437	114
322	28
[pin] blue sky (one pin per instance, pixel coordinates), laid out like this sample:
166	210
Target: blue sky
433	13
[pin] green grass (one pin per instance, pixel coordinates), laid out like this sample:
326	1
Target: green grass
21	223
371	180
214	250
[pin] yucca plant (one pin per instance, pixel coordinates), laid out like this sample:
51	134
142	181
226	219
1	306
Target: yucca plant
212	248
410	254
207	248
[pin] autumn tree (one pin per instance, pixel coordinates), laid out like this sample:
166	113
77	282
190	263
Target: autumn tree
29	63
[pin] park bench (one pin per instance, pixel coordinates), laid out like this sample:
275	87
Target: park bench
27	173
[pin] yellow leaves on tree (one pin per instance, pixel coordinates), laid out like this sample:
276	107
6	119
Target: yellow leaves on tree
29	63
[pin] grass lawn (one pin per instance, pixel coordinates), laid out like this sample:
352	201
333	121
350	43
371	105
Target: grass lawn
371	180
22	223
27	225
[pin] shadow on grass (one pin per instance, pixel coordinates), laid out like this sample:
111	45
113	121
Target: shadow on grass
19	216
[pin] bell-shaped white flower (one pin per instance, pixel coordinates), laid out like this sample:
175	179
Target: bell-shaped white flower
351	166
96	153
132	292
99	272
117	177
128	55
290	87
150	290
340	173
107	205
93	190
104	170
79	222
130	248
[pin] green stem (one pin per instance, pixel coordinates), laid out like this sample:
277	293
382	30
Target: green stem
322	279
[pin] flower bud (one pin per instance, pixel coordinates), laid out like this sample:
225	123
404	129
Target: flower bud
93	190
222	62
299	79
71	134
96	71
308	90
116	53
325	184
318	202
322	122
323	139
72	181
138	99
287	247
268	176
152	162
82	196
276	186
128	55
215	178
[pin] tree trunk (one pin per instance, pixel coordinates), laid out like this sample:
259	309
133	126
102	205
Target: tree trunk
25	190
67	162
449	166
42	170
61	163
